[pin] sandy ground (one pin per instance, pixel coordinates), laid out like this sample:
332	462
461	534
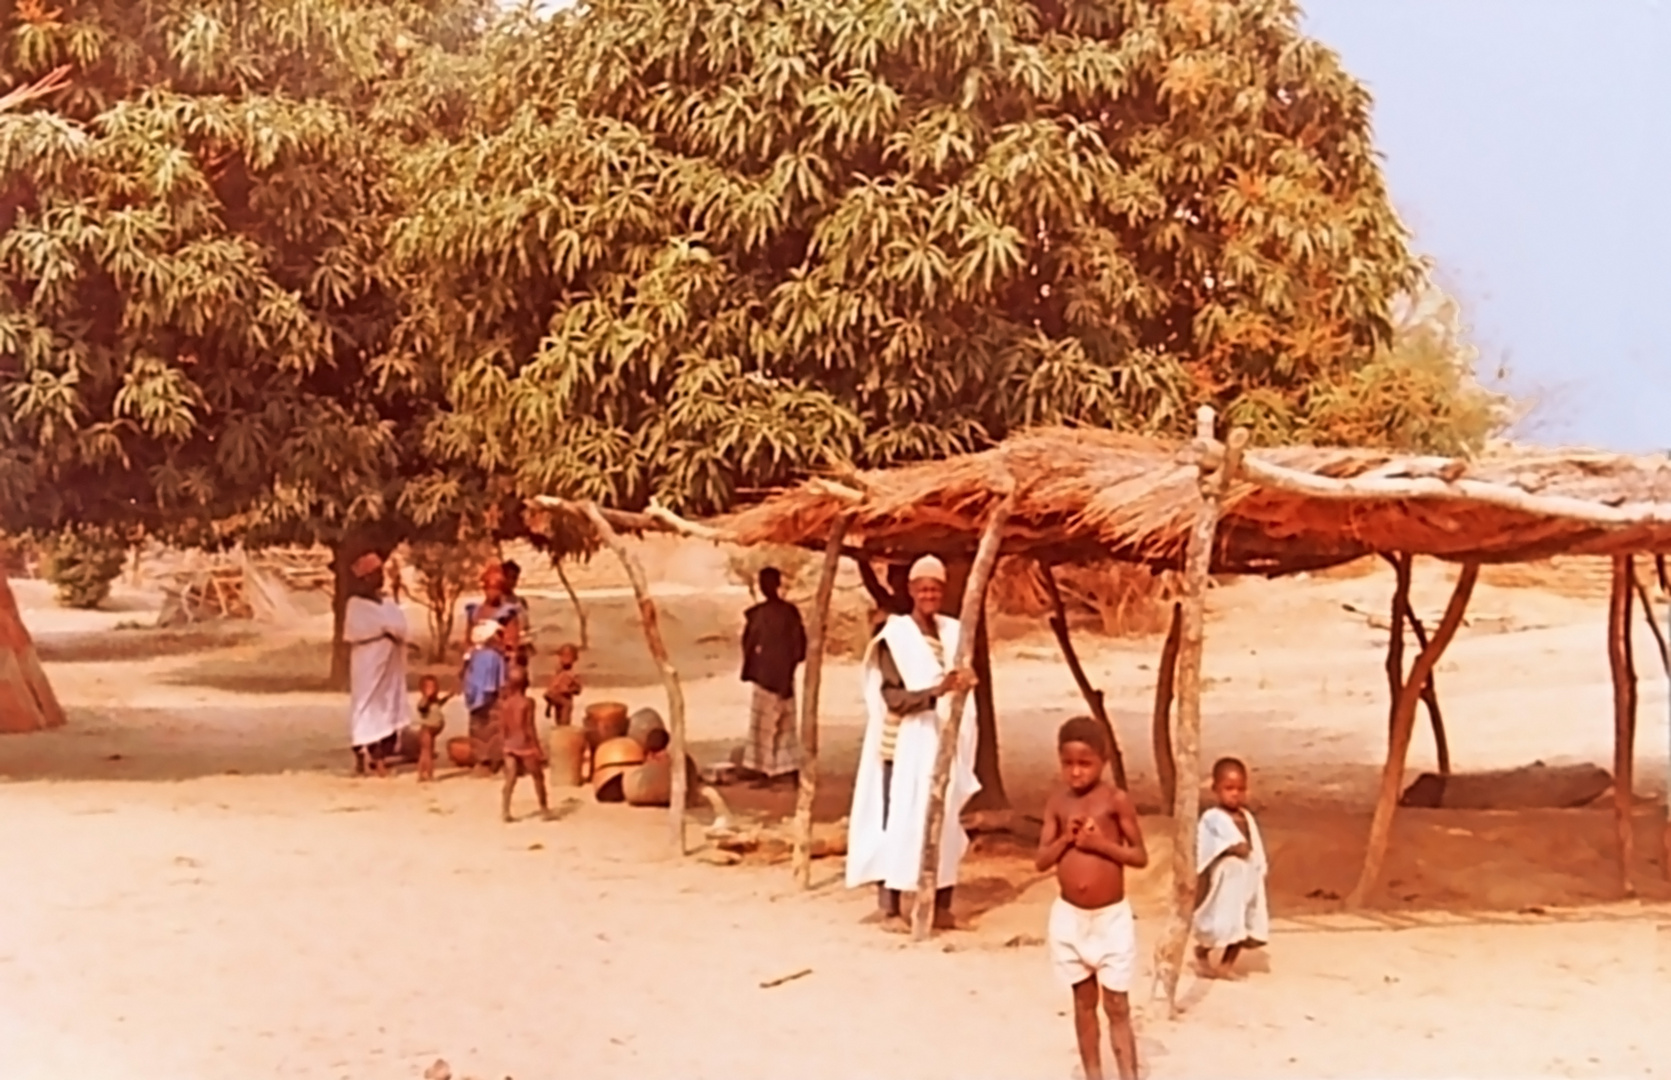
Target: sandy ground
193	887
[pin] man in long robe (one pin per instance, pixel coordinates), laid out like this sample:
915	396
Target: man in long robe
907	677
774	645
376	631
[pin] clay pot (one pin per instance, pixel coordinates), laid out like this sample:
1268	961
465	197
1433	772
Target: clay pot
642	723
611	761
567	755
605	720
651	784
459	752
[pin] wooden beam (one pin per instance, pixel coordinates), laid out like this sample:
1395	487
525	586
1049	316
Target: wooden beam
574	600
1093	697
651	622
1508	497
1395	636
1622	662
656	519
811	683
1186	806
1404	722
1166	680
974	609
1652	620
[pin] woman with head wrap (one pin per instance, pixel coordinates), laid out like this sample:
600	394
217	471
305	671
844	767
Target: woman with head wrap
907	677
375	630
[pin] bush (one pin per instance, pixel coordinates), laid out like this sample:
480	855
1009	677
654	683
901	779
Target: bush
82	566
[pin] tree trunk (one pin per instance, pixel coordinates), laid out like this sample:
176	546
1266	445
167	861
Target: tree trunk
1094	699
342	557
27	702
988	768
1622	661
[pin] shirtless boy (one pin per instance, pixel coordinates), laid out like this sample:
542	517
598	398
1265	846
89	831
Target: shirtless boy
564	687
1090	836
523	756
431	721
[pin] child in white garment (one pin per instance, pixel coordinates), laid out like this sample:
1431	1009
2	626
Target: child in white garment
1231	912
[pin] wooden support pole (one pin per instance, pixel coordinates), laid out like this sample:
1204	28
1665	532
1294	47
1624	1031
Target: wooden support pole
1166	765
1186	806
1405	613
1652	620
974	609
1404	723
1093	697
811	682
1623	664
574	600
649	619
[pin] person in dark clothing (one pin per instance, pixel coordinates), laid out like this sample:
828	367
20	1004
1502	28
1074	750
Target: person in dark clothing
774	645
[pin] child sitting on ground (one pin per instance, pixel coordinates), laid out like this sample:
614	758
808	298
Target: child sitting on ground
523	754
1231	912
431	722
1090	836
563	688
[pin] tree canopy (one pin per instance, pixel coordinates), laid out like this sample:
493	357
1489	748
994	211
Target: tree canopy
695	246
191	243
273	269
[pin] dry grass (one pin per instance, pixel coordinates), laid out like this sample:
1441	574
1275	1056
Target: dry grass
1086	496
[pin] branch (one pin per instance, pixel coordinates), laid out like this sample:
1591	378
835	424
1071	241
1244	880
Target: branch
50	83
655	519
1295	481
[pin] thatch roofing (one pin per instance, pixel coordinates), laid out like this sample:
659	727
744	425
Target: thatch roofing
1082	495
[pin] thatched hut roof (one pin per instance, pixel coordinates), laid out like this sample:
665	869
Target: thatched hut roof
1082	495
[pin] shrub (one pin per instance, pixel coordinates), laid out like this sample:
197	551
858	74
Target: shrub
82	566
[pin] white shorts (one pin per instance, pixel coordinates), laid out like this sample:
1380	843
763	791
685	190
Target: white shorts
1101	943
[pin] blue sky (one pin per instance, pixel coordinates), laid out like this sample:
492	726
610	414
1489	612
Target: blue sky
1528	144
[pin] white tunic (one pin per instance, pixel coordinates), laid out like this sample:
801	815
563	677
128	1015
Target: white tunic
1235	909
376	632
893	854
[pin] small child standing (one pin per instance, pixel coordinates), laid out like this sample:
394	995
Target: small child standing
483	678
523	755
563	688
431	721
1231	912
1091	834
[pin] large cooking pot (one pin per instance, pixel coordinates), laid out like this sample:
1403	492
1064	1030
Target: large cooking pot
605	720
610	762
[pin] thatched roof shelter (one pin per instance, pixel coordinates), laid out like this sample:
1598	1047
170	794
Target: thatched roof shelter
1086	494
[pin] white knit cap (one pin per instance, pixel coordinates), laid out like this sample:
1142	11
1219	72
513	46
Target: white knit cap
928	568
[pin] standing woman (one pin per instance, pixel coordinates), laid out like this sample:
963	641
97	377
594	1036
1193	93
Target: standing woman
376	631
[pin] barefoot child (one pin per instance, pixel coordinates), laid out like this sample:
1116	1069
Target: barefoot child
563	688
523	755
1230	908
430	723
1090	836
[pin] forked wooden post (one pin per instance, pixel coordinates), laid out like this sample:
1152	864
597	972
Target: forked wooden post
974	609
1186	806
1094	699
1623	664
1404	614
1403	727
651	623
811	682
1166	680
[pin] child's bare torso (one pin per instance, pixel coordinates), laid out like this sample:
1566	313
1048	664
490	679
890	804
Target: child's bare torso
1088	880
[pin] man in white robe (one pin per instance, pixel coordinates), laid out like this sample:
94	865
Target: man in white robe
907	677
375	630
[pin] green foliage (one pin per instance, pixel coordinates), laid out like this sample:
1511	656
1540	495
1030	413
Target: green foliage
82	564
196	301
697	246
